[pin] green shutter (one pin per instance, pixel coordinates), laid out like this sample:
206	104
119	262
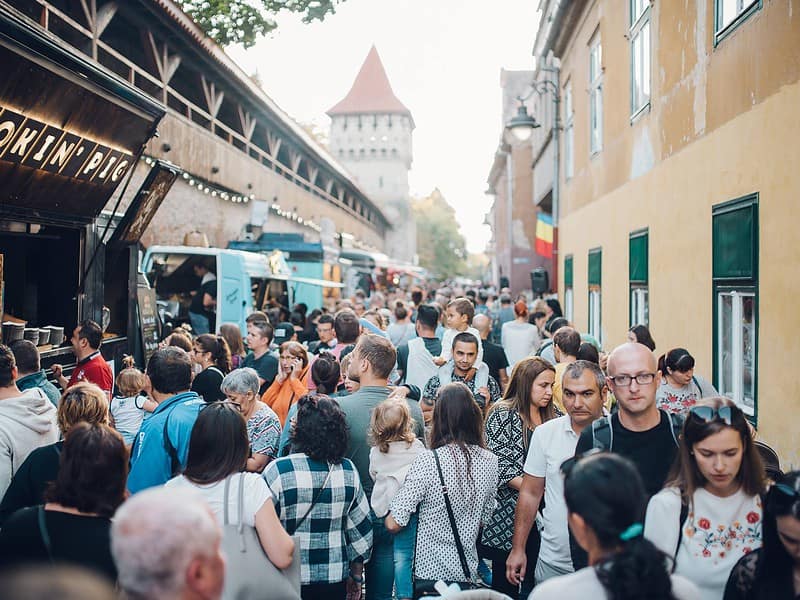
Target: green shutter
568	271
735	240
637	257
595	266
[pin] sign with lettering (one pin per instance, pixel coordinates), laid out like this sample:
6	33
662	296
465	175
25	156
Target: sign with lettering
29	142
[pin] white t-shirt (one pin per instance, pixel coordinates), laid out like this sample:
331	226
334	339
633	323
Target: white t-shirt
584	584
716	534
450	335
128	415
256	493
519	340
552	443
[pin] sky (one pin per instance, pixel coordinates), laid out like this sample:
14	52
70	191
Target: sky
443	59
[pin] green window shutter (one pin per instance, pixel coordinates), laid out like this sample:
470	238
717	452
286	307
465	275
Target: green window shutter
595	266
637	257
568	271
735	240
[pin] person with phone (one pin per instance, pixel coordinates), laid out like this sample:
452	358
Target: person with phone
291	383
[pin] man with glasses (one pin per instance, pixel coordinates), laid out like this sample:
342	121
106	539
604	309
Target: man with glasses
638	431
326	334
553	442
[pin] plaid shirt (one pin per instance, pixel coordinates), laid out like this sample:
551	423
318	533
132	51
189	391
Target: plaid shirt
338	531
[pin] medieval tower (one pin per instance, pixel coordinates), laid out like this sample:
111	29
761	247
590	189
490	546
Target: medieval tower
371	136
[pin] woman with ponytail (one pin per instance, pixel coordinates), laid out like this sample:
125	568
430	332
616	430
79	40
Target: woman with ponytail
212	354
606	504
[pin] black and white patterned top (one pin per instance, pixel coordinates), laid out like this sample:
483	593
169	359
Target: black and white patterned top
505	436
472	496
339	529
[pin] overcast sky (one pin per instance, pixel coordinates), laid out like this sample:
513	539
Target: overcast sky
443	58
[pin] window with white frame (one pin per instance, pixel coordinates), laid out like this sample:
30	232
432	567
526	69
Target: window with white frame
595	95
640	54
638	277
729	13
595	306
640	309
735	276
569	301
569	130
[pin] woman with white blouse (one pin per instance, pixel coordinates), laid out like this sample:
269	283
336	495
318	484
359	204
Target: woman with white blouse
470	477
710	513
518	337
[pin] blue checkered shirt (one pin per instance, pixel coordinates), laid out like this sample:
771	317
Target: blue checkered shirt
338	531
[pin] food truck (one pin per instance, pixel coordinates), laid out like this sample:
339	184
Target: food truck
71	133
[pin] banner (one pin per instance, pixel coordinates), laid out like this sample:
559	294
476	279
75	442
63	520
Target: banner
544	235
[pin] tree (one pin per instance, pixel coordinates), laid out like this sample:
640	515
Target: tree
440	245
243	21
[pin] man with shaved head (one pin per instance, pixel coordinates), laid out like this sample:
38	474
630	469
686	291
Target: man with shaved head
493	354
639	430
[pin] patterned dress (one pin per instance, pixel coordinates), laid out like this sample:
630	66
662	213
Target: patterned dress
264	431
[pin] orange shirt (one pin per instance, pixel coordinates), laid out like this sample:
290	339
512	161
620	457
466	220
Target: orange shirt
280	396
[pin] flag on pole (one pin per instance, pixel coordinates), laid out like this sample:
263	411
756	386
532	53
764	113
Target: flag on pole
544	235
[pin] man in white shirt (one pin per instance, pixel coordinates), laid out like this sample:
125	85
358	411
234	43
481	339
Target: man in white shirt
584	394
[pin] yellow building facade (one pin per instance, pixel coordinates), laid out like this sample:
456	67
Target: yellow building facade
680	184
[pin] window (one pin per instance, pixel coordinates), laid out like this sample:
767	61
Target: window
569	303
735	276
729	14
640	55
595	95
637	276
595	273
569	129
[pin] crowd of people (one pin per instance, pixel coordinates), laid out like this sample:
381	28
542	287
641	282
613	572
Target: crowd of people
382	448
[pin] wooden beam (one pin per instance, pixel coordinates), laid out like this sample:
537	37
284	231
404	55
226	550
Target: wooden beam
103	18
328	185
213	96
274	142
313	171
247	122
294	159
88	14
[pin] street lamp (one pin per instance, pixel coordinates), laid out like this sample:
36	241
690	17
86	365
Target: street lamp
522	124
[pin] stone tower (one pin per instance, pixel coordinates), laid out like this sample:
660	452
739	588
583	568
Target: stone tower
371	136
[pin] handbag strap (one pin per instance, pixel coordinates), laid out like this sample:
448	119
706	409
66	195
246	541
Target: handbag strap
461	556
313	502
225	520
240	503
48	545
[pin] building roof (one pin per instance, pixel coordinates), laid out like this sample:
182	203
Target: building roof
371	92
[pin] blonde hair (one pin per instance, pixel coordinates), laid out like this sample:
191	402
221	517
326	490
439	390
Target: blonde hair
131	380
391	422
82	402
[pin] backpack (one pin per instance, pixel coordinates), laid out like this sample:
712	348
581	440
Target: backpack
546	344
603	433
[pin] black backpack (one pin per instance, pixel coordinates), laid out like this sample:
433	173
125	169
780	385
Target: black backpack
603	433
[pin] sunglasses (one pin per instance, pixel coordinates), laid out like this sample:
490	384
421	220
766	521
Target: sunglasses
787	490
707	414
568	465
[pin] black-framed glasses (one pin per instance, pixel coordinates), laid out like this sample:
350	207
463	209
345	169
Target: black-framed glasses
707	414
569	464
625	380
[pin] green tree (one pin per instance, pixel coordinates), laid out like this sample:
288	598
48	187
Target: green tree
243	21
440	245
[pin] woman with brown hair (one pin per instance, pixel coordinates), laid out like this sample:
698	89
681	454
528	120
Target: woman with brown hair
74	525
82	402
526	404
710	513
211	352
291	383
458	463
233	335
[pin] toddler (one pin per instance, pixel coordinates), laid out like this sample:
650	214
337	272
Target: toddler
458	319
396	447
127	410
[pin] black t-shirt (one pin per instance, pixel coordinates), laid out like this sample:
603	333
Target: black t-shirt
652	451
495	358
434	346
74	539
207	383
31	479
266	366
210	288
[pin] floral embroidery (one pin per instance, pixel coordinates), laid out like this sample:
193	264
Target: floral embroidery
718	541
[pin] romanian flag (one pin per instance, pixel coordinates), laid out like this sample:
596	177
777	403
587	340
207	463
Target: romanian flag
544	235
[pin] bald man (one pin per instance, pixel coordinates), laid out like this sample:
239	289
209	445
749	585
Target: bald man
639	430
493	354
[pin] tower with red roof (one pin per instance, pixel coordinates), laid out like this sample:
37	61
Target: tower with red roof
371	135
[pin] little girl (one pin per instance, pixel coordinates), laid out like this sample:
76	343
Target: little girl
127	410
395	448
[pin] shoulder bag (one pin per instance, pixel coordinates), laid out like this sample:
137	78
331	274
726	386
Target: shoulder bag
249	572
425	587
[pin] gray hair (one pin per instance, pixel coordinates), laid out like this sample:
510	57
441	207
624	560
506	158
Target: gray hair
155	536
241	381
575	369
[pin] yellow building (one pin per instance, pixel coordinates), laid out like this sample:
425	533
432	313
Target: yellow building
679	186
